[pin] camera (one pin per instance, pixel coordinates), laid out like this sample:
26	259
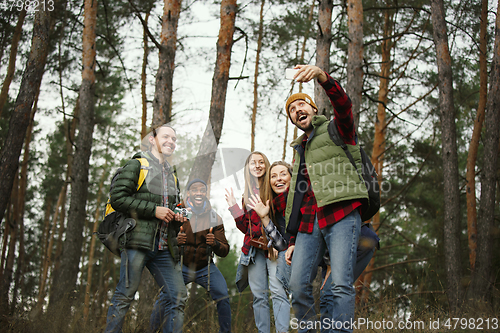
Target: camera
184	212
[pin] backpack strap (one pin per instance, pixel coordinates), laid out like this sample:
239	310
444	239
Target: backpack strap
144	171
335	136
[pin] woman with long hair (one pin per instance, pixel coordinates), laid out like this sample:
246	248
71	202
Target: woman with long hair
257	265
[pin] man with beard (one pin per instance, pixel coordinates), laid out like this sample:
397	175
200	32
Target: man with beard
152	243
324	201
198	238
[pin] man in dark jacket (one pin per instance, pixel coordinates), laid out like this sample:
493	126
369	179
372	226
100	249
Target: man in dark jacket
198	238
152	243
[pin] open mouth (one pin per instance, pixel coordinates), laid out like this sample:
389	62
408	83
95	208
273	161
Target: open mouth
168	147
302	117
280	185
198	199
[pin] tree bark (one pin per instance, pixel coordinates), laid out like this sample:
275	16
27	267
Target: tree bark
206	154
323	44
451	193
91	262
354	85
379	140
21	200
12	59
144	130
30	84
162	103
483	277
11	254
65	281
476	136
256	75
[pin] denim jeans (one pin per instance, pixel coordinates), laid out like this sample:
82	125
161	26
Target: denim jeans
341	240
218	292
325	295
167	274
262	277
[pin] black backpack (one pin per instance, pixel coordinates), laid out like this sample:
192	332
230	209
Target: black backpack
114	224
368	174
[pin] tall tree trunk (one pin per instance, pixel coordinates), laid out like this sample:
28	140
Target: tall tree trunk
144	130
65	281
483	277
5	242
47	259
379	140
453	264
21	200
11	255
91	261
354	85
12	59
206	154
162	103
474	141
19	121
256	74
323	44
70	129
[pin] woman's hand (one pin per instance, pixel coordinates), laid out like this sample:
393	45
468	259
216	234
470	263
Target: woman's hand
258	206
230	199
289	254
273	253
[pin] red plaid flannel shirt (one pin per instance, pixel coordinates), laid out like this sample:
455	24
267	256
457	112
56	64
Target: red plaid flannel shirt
242	217
329	214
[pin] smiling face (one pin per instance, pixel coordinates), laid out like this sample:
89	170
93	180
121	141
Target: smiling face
164	142
279	178
301	114
197	194
257	166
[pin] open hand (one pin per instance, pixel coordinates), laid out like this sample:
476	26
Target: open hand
258	206
230	199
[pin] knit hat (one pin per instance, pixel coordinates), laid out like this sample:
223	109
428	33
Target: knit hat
196	180
302	96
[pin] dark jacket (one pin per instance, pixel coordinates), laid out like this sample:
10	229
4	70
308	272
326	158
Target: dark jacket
195	249
141	205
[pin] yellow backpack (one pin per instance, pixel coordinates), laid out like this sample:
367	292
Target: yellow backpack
114	224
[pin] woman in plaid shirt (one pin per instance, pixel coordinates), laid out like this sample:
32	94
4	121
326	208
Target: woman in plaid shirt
257	267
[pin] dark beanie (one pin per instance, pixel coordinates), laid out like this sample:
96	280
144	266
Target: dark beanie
196	180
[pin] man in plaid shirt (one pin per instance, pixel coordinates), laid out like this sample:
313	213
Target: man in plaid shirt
323	204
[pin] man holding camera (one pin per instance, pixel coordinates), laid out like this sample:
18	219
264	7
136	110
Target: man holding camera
325	196
152	243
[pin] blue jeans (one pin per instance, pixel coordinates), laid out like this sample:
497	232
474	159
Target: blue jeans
218	292
341	240
259	272
167	274
325	295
